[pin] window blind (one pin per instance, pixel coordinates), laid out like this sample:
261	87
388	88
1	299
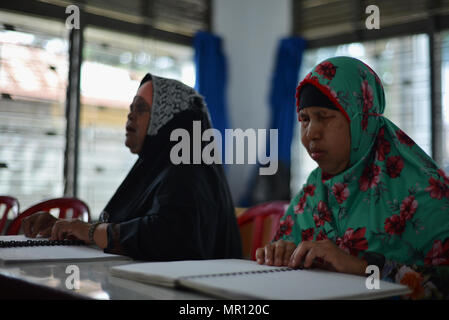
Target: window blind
33	76
320	19
442	46
178	16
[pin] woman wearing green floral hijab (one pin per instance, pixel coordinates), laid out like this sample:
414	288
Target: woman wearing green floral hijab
375	198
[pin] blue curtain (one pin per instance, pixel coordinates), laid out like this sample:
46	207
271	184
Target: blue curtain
283	90
211	77
282	117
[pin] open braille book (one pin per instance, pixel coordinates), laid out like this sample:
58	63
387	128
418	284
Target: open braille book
19	249
245	279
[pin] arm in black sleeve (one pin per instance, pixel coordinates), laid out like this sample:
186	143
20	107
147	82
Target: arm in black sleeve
179	223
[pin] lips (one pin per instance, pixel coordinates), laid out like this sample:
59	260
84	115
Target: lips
130	129
317	154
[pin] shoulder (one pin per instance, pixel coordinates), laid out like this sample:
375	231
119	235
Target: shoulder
314	176
308	189
186	171
188	176
311	182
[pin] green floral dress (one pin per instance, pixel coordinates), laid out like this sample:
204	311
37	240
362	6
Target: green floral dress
392	200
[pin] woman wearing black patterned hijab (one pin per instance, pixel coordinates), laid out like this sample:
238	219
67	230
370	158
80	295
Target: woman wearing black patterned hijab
163	211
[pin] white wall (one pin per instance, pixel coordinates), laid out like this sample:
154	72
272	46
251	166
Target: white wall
251	30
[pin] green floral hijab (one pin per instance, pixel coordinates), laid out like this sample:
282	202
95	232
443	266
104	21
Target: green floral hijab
392	199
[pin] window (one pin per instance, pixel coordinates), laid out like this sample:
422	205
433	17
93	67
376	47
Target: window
445	97
113	66
402	63
33	79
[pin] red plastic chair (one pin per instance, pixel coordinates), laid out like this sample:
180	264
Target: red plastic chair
258	225
79	209
10	203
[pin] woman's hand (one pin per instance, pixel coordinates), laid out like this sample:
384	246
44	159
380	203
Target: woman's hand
39	223
63	229
277	253
326	255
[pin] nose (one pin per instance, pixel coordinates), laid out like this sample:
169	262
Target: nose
314	130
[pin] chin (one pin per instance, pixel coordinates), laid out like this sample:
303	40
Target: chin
131	149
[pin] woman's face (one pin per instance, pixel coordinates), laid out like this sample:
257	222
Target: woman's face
325	133
139	118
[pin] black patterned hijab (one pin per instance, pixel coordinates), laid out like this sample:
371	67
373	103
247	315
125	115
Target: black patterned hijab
171	97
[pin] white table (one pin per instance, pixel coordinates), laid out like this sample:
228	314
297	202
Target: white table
29	279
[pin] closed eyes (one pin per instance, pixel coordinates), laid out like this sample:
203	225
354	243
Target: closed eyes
319	117
140	106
